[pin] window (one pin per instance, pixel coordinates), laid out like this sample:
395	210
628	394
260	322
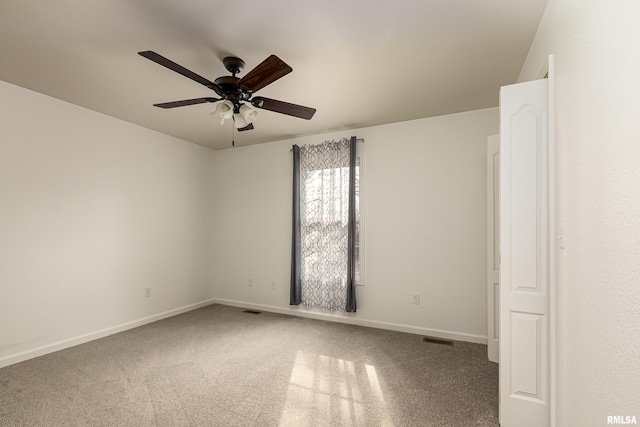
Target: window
327	243
359	264
326	212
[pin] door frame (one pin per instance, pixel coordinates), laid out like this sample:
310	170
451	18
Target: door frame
493	248
556	240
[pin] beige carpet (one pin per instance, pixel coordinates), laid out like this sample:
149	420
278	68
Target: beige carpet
219	366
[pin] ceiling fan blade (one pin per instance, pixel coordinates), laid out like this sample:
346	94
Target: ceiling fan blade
247	127
159	59
185	102
283	107
269	70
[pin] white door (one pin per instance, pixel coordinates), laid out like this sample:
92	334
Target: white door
524	245
493	247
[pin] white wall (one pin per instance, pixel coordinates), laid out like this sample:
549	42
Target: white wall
424	224
92	211
595	44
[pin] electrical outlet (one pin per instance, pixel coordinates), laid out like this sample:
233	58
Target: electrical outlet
250	283
147	292
415	299
273	285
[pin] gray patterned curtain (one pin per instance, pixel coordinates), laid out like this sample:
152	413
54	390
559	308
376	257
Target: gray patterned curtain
296	289
323	250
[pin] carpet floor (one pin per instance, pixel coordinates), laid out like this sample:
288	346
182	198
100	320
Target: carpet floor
220	366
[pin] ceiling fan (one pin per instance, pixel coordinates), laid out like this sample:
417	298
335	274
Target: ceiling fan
235	92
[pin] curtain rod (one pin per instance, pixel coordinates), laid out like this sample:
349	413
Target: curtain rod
357	140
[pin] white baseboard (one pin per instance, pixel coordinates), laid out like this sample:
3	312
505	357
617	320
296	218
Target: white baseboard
349	319
81	339
301	312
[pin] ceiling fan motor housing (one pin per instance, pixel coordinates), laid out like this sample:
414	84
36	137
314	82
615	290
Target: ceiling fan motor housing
232	92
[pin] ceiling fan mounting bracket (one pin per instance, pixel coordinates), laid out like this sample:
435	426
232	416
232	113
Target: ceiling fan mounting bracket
233	64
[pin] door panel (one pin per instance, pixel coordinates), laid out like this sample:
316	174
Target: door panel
524	267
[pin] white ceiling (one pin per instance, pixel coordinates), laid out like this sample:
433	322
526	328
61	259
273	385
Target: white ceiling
360	63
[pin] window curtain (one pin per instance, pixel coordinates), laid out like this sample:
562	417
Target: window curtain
323	237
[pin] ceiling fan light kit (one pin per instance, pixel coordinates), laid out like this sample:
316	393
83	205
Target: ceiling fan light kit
236	93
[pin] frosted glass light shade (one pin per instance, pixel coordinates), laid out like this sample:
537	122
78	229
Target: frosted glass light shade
245	117
224	110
